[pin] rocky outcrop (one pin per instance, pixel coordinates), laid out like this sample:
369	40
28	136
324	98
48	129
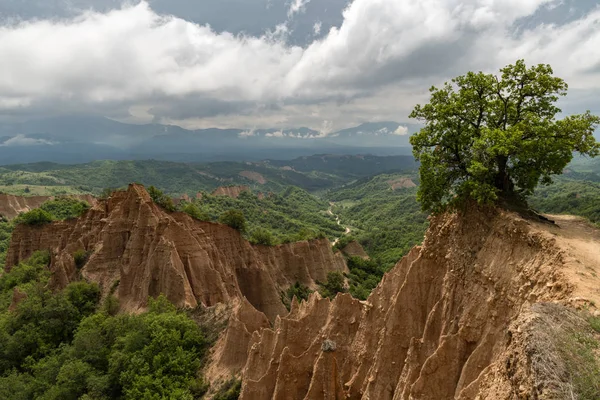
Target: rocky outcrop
401	183
354	249
139	250
230	191
11	206
228	355
436	327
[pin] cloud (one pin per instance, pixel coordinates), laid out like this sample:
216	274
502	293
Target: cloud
247	133
401	131
297	6
375	66
277	134
317	28
22	140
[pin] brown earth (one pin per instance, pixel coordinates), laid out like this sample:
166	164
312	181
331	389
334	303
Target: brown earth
11	206
440	323
141	250
354	249
230	191
253	176
401	183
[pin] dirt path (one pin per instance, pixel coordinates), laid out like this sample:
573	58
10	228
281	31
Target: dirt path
339	222
581	241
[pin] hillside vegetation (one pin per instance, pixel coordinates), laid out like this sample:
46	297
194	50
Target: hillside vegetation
67	345
315	173
387	222
568	196
290	215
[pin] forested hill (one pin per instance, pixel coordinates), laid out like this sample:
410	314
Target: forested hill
314	173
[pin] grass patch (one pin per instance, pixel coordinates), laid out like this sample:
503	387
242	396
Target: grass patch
579	351
595	323
230	390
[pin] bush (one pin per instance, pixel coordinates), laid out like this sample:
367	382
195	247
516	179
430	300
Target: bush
262	236
35	217
6	229
84	296
80	257
159	198
299	291
235	219
195	212
230	390
334	285
25	272
111	305
65	208
595	323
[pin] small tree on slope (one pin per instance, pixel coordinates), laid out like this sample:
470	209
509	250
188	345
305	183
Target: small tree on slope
488	136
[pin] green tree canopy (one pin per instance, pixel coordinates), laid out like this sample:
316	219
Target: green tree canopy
487	136
235	219
161	199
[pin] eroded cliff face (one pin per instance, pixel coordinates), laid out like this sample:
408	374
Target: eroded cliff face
11	206
137	250
354	249
230	191
438	325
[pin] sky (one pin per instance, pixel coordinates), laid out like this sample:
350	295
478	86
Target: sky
324	64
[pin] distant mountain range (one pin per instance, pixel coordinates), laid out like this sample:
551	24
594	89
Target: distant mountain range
82	139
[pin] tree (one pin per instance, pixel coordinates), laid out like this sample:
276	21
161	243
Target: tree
235	219
262	236
488	136
161	199
195	212
37	216
65	208
334	285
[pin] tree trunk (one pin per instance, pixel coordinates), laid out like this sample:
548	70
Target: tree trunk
503	181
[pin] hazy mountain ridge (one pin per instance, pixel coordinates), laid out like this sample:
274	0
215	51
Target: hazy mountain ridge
83	139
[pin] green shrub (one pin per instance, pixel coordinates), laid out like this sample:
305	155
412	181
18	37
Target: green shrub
334	285
84	296
6	229
35	217
159	198
235	219
195	212
80	257
262	236
297	290
111	305
65	208
595	323
230	390
26	272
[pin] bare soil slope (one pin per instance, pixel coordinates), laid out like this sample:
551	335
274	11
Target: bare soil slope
457	318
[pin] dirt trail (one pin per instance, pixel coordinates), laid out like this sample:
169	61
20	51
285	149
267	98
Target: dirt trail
581	242
339	222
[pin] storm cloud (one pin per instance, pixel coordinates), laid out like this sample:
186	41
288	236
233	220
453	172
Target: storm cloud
373	61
